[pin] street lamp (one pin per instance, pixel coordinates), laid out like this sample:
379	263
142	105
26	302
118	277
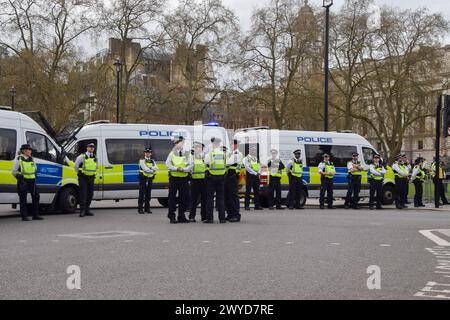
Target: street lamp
326	4
12	91
118	66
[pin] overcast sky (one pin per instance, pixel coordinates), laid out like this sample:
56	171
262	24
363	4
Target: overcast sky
244	8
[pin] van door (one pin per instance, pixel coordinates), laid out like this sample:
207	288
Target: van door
8	147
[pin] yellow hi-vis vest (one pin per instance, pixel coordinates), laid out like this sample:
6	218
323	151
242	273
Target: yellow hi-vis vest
217	163
378	168
236	166
275	168
356	173
329	168
179	162
433	171
296	169
402	168
199	169
421	175
149	163
27	168
89	167
254	164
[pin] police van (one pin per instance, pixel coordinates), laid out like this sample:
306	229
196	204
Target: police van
340	145
118	148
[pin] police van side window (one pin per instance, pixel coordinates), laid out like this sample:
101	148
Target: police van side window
340	155
79	148
368	154
42	147
129	151
8	140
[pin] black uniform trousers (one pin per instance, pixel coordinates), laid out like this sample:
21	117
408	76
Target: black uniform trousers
400	187
354	187
439	184
232	205
295	190
326	186
25	186
145	192
252	182
198	190
275	187
178	185
215	186
375	193
86	184
418	185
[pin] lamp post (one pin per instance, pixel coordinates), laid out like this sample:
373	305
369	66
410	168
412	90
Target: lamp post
118	66
12	91
326	4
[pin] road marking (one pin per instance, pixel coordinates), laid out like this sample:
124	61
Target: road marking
128	241
206	241
431	235
55	240
385	245
335	244
166	241
246	242
22	241
289	243
103	234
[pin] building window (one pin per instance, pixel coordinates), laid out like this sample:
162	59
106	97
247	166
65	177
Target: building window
420	144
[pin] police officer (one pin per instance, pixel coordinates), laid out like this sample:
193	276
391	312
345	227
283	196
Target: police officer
401	182
355	170
410	169
418	178
294	170
24	169
179	166
376	177
198	182
216	164
86	166
276	167
234	161
252	181
327	172
147	171
438	180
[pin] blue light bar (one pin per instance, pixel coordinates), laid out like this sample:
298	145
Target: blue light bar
213	124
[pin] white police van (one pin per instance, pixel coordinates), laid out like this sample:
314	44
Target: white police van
340	145
118	148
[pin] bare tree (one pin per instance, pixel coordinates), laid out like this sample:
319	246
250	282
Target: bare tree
197	33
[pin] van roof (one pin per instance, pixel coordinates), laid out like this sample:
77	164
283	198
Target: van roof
8	117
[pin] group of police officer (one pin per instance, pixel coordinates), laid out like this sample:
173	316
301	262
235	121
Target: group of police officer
198	177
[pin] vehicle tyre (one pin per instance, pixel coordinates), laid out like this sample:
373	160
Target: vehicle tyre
388	194
68	200
164	202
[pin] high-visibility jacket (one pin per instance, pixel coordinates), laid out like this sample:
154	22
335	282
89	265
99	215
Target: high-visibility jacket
217	163
403	168
355	173
433	171
296	169
275	170
179	162
254	164
27	168
149	163
378	168
199	169
89	167
329	170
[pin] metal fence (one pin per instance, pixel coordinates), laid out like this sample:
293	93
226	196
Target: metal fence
428	190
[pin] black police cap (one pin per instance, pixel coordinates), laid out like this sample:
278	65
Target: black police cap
25	146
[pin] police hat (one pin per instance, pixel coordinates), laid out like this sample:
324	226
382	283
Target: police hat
216	140
355	154
376	156
91	145
177	139
149	149
236	141
398	157
297	151
326	155
418	160
224	148
197	144
26	147
273	151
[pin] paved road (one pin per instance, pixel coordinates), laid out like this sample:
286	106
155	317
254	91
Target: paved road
308	254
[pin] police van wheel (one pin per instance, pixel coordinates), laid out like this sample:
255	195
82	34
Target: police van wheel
302	198
67	201
164	202
388	194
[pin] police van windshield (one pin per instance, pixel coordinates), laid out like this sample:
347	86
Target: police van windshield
340	155
127	151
